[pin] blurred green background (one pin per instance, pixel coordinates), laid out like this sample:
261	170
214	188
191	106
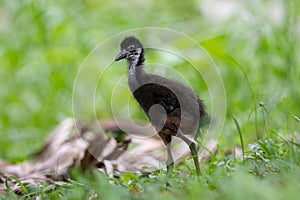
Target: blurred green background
255	45
44	42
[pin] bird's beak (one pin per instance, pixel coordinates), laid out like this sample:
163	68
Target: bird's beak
121	55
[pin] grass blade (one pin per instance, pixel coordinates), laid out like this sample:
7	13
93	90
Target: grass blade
7	185
240	134
251	90
25	191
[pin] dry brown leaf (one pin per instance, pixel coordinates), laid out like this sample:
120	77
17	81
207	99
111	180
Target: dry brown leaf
86	145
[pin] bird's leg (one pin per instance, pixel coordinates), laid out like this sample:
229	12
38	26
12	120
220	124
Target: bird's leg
170	162
193	148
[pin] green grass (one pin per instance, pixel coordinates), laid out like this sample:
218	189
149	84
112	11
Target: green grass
43	43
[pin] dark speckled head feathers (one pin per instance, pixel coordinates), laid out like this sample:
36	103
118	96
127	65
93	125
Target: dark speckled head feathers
131	43
131	50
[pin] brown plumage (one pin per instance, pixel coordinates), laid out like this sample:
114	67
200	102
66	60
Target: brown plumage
172	108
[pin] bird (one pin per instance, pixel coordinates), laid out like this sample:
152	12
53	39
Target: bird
172	108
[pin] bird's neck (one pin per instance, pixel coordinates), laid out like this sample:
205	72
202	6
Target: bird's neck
136	72
136	66
137	62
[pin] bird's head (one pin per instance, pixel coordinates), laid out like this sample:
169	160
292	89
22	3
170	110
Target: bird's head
131	49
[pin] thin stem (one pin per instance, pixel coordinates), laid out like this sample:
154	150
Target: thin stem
251	90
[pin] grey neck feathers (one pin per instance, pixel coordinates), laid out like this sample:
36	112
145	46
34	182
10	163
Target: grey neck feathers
137	59
136	73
